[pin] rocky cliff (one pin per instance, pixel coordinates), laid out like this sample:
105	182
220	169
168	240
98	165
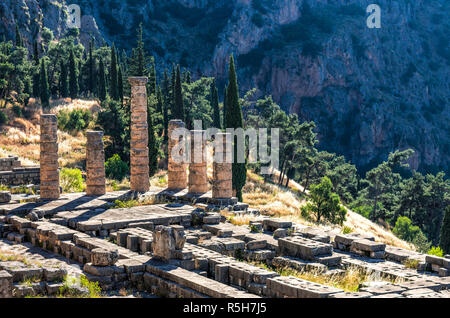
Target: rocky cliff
370	91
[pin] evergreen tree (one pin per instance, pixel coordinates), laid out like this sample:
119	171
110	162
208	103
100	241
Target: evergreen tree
44	90
139	60
234	119
101	81
35	53
160	110
91	66
224	111
215	105
153	146
178	109
444	242
114	92
325	204
80	78
152	79
120	84
19	40
63	85
73	76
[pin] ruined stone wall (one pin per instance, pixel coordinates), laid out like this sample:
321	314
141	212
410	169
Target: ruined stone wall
8	164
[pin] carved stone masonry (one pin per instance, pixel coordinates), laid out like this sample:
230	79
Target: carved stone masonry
222	186
198	179
139	179
49	174
177	178
95	164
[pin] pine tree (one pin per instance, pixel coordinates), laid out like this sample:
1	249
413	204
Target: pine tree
166	101
91	82
113	75
120	84
178	109
44	90
80	78
73	78
153	146
63	85
160	110
101	81
215	105
152	79
234	119
444	242
138	58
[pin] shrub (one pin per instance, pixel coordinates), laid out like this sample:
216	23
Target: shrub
75	120
347	230
437	251
71	180
411	233
17	110
115	168
3	118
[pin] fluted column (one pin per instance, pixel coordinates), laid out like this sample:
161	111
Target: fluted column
49	174
222	186
139	179
177	178
95	164
198	179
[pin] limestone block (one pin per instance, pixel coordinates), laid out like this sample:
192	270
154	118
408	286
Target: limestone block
102	257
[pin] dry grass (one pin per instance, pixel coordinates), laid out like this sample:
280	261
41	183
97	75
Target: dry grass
238	219
113	185
159	180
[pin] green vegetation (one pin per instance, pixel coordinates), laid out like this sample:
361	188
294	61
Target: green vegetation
325	205
115	168
71	180
437	251
444	242
75	120
79	287
3	118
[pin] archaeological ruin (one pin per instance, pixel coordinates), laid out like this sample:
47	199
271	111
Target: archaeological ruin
181	244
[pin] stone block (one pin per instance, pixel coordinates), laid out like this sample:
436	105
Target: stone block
102	257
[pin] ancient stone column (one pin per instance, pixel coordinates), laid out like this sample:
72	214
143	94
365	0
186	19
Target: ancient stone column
198	179
177	178
139	180
49	174
95	164
222	186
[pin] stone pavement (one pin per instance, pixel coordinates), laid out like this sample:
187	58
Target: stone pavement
180	247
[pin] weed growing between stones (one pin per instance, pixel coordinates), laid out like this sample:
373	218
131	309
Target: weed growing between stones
79	287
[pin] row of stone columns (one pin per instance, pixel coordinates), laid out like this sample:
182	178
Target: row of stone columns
197	182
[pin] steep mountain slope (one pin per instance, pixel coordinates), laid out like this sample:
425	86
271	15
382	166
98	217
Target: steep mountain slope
370	91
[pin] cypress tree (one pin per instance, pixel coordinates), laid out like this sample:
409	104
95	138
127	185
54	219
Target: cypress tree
444	242
101	81
18	37
234	119
152	78
44	90
178	110
224	104
73	78
80	78
215	105
63	87
152	143
120	84
35	53
113	75
91	82
166	99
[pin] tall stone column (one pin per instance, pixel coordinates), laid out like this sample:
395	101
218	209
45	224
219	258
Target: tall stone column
177	178
139	180
95	164
49	174
198	179
222	186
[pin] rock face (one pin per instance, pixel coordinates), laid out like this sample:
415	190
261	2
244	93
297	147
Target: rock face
370	91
